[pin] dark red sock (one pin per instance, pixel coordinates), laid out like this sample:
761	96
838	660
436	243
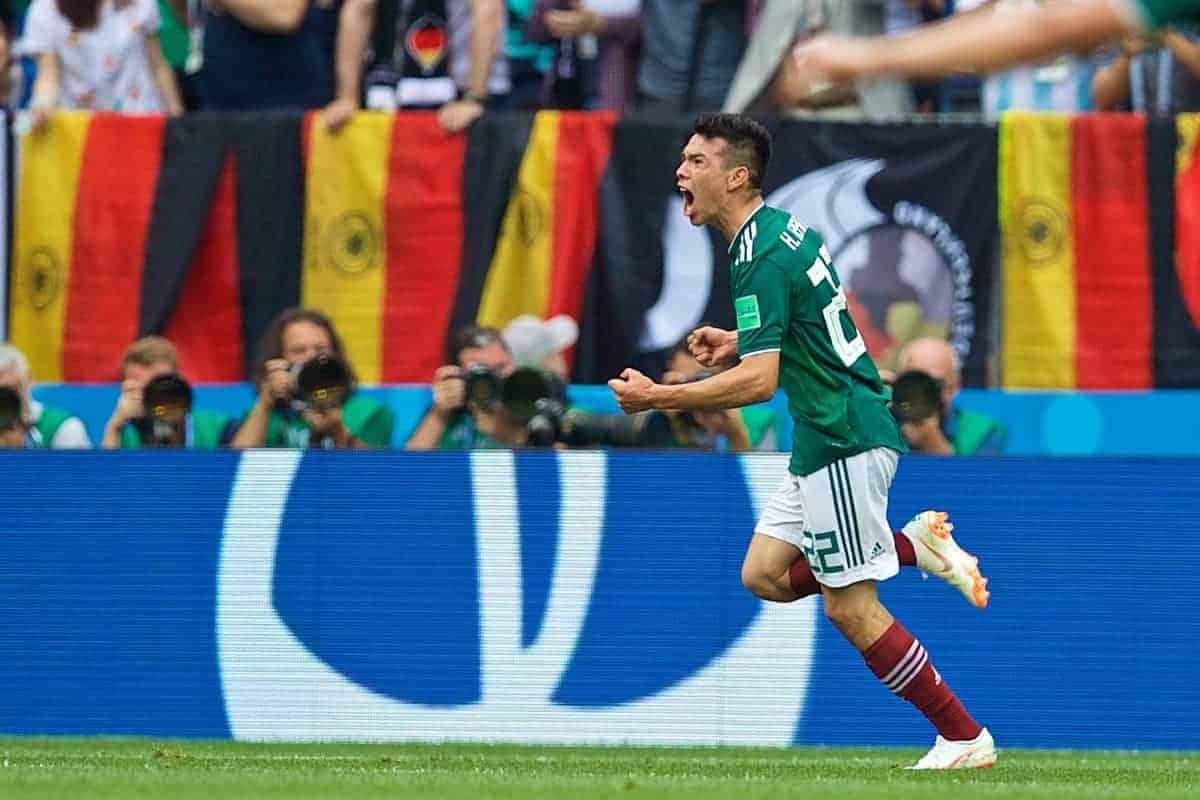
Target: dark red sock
905	550
803	581
902	664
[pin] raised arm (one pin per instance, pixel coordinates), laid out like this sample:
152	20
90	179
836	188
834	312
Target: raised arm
970	42
354	32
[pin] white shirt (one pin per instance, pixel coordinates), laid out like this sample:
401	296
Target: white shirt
105	68
71	435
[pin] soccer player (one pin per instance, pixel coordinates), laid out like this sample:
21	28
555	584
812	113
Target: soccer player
826	528
981	42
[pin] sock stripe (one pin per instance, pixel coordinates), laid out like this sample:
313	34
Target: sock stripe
903	682
896	670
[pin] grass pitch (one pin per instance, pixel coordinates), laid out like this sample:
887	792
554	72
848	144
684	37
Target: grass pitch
137	768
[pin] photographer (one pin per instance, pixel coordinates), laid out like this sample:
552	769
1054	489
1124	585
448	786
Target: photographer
14	429
50	428
448	424
966	432
306	391
917	406
155	406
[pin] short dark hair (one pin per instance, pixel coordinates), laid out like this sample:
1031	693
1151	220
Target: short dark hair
470	336
747	143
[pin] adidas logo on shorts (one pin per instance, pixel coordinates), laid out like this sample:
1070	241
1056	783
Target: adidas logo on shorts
877	550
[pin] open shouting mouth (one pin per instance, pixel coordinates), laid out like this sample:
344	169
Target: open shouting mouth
689	200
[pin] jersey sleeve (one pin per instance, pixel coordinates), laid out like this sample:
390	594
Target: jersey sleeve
761	307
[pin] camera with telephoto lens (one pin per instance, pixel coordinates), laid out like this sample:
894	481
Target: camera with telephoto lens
11	408
166	400
543	397
532	397
916	396
322	383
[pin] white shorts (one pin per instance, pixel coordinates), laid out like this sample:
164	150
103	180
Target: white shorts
837	517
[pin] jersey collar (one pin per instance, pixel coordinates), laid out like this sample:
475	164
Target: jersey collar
761	205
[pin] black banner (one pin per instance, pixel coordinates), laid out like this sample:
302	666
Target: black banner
908	212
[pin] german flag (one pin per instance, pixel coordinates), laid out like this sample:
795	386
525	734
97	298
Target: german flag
1175	187
531	189
382	241
135	225
410	233
1076	229
204	228
81	224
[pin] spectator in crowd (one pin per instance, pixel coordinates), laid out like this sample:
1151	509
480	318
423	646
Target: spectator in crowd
99	55
901	16
263	55
448	57
690	52
155	406
47	427
1157	75
173	34
1062	84
768	80
529	61
981	43
601	38
954	430
450	424
328	414
328	12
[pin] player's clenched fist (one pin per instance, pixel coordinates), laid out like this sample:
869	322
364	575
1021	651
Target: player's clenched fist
634	391
712	346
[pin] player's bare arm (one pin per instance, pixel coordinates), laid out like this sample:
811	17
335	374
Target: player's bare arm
713	347
752	381
970	43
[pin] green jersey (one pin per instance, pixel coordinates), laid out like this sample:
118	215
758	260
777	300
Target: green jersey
1161	13
365	418
787	298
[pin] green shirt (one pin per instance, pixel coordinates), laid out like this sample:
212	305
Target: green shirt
206	430
48	424
1161	13
366	419
172	36
787	298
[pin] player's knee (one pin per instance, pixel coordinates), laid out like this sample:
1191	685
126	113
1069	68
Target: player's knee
847	616
758	582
